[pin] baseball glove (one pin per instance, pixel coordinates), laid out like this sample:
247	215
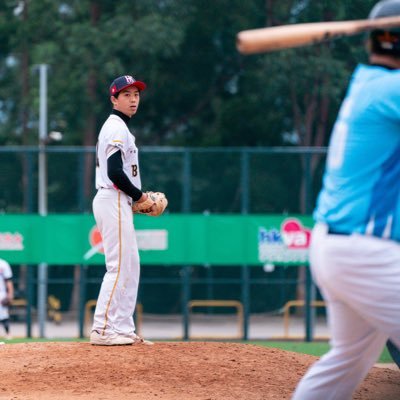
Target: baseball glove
156	199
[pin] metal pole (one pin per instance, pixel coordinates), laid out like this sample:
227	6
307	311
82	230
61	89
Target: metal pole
246	300
42	195
309	284
310	312
186	269
186	294
29	270
245	205
187	181
29	297
82	299
81	180
244	182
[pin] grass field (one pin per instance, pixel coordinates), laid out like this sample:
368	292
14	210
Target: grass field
311	348
314	348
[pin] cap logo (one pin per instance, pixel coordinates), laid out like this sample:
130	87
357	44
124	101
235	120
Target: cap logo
123	82
129	79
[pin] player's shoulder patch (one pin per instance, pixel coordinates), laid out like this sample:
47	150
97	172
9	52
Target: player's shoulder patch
117	143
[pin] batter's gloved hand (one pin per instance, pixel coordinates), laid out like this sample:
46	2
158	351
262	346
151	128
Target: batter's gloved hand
154	205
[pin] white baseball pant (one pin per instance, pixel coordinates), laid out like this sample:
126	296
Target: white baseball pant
359	278
118	293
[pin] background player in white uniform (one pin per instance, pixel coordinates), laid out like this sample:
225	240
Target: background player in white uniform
6	295
118	183
355	250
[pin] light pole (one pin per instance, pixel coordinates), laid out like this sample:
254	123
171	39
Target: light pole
42	195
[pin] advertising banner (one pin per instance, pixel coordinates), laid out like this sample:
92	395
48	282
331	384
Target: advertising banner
171	239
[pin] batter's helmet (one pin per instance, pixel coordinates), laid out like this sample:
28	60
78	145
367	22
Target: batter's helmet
385	41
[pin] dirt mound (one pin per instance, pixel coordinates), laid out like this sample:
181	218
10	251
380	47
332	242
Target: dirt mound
167	371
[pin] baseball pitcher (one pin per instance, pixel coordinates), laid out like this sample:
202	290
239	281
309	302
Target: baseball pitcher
119	195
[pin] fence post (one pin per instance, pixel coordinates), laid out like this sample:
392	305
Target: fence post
186	273
29	270
244	181
81	183
29	297
29	187
309	285
186	181
310	312
186	208
209	285
245	203
245	300
82	299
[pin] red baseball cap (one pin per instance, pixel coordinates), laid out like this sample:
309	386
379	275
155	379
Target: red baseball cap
123	82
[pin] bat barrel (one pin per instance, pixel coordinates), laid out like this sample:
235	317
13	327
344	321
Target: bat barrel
296	35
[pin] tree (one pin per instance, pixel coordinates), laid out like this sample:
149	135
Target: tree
310	82
201	91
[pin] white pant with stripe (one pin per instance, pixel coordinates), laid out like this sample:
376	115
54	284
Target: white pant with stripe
118	293
359	278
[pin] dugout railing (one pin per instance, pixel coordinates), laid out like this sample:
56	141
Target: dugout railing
187	283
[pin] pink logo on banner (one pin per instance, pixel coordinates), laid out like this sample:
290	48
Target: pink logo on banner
295	235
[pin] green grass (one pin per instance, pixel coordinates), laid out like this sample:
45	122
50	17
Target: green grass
311	348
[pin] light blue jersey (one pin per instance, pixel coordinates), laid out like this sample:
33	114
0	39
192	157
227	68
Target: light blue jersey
361	186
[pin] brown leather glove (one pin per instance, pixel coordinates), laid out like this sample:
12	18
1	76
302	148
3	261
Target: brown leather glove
154	205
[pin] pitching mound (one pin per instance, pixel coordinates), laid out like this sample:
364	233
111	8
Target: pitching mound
167	371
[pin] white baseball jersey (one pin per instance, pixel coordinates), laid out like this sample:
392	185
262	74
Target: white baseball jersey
114	136
5	273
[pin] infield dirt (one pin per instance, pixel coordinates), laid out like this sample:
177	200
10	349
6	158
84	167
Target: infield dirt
166	371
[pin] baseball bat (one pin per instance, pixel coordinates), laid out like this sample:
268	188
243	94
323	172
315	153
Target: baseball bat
296	35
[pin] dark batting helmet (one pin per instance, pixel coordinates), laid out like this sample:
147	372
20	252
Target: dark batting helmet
385	41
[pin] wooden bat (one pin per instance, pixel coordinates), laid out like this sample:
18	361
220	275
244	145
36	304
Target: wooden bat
296	35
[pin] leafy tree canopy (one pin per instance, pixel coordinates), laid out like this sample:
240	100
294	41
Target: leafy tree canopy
201	91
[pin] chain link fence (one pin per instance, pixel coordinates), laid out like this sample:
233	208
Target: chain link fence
236	180
216	180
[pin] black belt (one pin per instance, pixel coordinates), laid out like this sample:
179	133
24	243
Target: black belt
334	232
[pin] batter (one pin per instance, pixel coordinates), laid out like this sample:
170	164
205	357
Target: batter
355	251
118	183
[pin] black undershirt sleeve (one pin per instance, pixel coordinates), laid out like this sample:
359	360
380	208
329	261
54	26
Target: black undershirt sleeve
117	176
